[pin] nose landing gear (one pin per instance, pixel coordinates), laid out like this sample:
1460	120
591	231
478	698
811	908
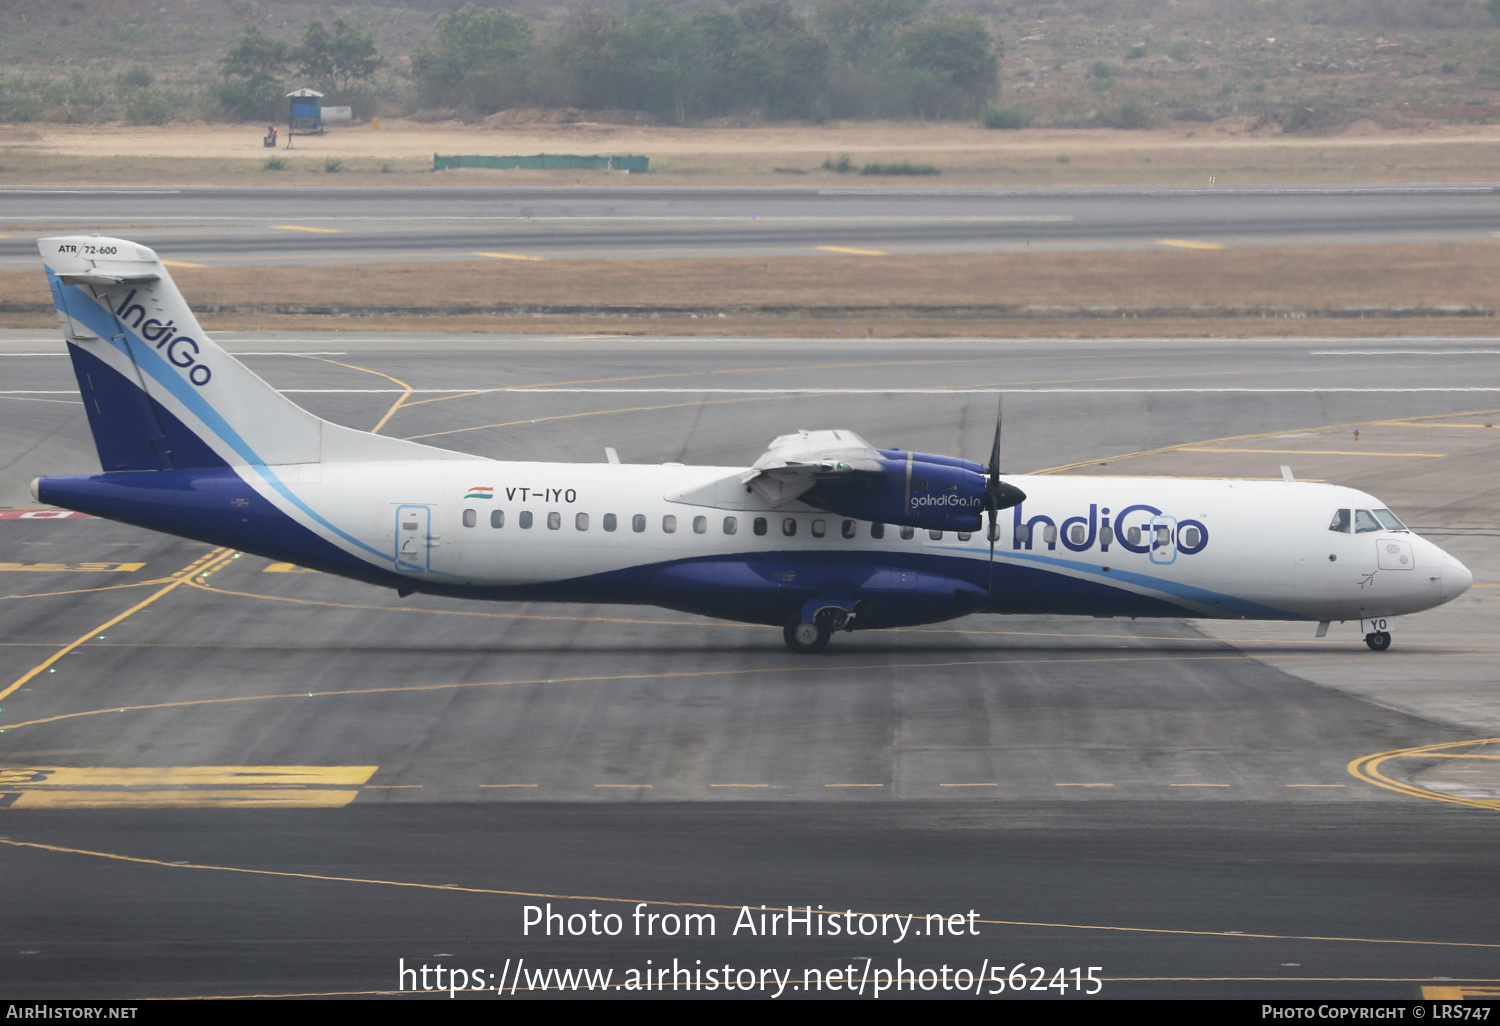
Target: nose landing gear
1378	641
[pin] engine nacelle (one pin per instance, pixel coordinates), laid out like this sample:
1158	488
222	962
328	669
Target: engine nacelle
937	493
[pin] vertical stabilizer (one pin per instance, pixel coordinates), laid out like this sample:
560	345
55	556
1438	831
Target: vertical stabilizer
159	393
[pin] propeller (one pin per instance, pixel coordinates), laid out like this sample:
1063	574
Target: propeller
997	494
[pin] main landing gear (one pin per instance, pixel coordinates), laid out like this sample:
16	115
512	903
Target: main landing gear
1378	641
805	638
808	637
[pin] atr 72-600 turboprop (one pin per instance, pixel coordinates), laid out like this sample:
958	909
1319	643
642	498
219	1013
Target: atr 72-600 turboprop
823	533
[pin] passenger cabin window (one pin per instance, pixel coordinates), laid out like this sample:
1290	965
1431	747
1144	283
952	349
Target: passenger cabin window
700	525
638	523
849	528
731	525
935	535
554	521
581	521
1365	522
964	536
1133	535
760	525
470	518
1340	521
1388	520
669	524
877	530
1023	532
819	528
1190	537
497	518
610	522
1076	534
1106	535
908	533
1049	534
525	519
789	526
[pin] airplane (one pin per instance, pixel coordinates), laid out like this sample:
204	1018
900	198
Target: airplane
823	533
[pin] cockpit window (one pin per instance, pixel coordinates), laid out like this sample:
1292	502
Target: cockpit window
1388	520
1340	521
1365	522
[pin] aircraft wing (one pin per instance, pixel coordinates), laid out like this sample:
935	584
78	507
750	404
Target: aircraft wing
796	462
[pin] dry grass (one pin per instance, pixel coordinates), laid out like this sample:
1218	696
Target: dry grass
1290	290
1229	151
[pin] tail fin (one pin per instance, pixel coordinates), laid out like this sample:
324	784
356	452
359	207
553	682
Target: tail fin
160	395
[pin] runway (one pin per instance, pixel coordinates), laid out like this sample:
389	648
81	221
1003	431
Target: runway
229	226
230	777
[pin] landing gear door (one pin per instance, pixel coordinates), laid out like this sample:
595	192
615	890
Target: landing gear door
1163	539
413	539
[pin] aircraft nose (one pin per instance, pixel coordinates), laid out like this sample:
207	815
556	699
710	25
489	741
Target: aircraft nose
1456	578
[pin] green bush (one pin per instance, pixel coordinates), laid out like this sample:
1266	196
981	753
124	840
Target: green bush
905	167
1004	117
332	165
148	108
138	77
1136	52
1131	114
275	164
843	165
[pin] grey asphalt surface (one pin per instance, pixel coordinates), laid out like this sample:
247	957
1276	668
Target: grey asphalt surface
218	226
595	756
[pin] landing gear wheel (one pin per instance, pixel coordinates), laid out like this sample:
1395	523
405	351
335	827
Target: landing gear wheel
1379	641
805	638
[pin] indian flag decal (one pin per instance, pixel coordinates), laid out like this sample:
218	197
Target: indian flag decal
481	492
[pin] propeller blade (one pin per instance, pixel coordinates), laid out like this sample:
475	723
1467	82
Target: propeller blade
995	448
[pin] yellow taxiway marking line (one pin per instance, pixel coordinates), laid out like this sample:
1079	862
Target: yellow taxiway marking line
180	263
1188	244
509	256
1319	452
1449	992
1082	785
1367	768
856	252
968	785
19	777
239	798
449	888
215	558
390	787
304	228
508	785
622	785
400	401
739	785
623	678
1322	428
287	568
85	591
61	568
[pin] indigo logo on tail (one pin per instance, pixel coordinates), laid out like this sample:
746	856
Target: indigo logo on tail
181	351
